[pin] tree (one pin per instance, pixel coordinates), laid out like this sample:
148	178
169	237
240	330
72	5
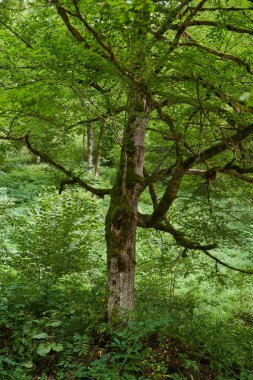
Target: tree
175	69
90	147
99	150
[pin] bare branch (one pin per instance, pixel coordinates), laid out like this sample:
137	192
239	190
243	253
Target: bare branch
181	239
171	18
237	106
164	135
102	117
183	4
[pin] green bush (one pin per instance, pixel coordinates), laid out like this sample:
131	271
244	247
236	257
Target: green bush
59	235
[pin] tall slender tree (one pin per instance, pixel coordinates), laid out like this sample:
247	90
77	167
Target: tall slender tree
90	147
99	150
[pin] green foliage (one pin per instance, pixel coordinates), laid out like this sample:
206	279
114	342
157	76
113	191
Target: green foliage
81	344
187	326
193	318
58	235
5	202
24	182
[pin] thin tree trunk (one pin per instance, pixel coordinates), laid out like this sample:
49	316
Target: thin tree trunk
99	150
121	220
83	146
90	147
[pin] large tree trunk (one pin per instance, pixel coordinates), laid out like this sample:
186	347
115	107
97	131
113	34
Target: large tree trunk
121	220
90	147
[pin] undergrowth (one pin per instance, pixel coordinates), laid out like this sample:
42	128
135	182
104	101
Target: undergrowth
56	331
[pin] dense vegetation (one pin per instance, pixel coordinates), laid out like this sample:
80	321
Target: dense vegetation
117	264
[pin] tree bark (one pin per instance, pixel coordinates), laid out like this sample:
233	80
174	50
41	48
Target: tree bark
121	220
99	150
90	147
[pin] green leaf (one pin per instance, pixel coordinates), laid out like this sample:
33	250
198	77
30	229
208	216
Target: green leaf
40	336
27	365
43	349
7	360
58	347
54	324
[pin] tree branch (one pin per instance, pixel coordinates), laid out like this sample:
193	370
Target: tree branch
16	34
179	237
238	106
238	169
66	182
107	53
224	9
240	176
217	24
188	244
226	144
73	30
174	184
74	178
222	56
184	25
207	253
168	197
102	117
176	135
152	191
